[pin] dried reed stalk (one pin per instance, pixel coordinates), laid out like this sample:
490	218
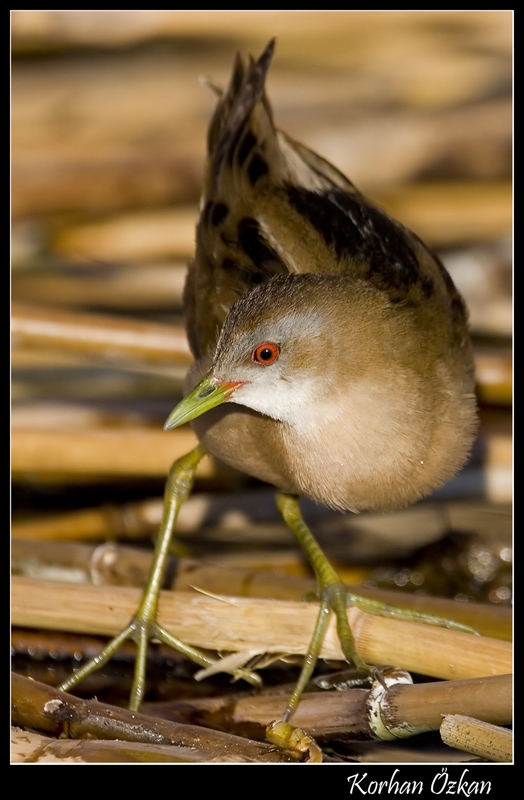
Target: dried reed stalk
136	236
257	626
145	285
477	737
494	376
423	704
116	565
39	707
106	451
104	336
250	516
449	214
134	450
129	27
28	747
409	708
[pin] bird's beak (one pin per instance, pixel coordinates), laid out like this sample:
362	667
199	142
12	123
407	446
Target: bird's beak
209	393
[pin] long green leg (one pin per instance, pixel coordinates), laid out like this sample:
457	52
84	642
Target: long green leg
335	598
332	595
143	626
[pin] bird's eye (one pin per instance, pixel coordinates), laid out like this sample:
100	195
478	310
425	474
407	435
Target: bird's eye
265	353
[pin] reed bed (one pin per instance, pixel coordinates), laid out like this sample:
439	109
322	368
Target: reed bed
108	142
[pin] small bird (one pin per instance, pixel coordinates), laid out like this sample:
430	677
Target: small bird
331	349
332	353
338	341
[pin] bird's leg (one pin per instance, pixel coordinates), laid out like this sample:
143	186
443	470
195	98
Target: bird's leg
332	596
335	597
144	627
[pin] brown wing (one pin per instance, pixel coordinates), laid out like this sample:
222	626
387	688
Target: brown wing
246	230
272	206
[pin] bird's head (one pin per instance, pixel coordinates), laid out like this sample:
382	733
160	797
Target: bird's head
274	354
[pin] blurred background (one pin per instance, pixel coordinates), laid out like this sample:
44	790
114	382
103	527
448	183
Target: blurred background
108	121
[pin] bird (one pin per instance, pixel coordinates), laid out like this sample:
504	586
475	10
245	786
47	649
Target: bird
338	341
332	355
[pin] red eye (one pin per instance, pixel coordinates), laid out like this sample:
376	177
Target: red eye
265	353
